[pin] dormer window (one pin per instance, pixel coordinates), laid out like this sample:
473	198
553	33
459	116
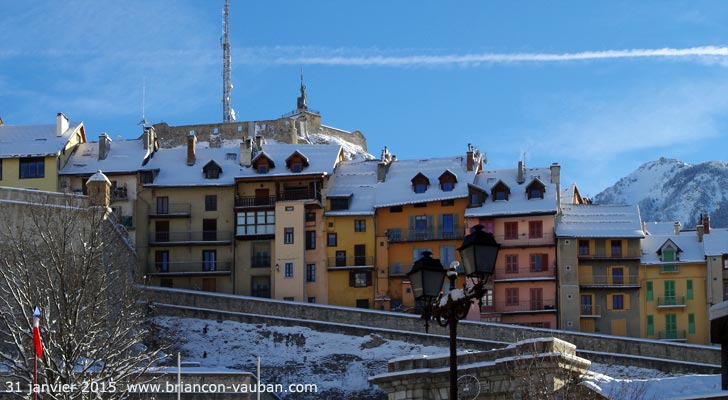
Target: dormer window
500	191
296	162
212	170
476	195
340	202
535	189
447	181
262	163
669	252
420	183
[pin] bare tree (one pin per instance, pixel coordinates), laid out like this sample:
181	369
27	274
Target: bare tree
70	261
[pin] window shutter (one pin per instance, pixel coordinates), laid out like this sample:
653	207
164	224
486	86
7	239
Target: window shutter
609	302
626	298
440	226
430	226
352	278
545	262
650	292
412	223
455	223
369	278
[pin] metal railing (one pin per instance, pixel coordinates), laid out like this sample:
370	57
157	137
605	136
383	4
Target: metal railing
525	271
260	262
351	261
286	194
671	301
609	280
299	194
415	235
669	268
174	209
524	239
526	305
119	193
189	236
672	335
255	201
190	266
591	311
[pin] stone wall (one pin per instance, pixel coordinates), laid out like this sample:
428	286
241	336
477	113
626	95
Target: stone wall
619	350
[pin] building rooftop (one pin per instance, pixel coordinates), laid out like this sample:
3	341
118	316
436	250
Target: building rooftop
357	180
124	156
690	249
33	140
599	221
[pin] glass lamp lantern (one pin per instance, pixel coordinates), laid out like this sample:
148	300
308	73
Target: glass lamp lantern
426	277
479	252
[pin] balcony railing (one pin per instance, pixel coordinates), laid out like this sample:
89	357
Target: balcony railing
299	194
591	311
119	193
669	268
525	271
127	221
255	201
351	261
526	306
672	335
190	267
416	235
170	210
671	301
202	237
260	262
607	281
263	201
524	239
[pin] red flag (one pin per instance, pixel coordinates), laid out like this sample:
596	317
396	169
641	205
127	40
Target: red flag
36	333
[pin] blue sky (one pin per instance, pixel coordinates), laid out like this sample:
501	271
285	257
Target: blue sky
599	87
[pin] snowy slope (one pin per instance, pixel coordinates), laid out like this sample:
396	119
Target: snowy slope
670	190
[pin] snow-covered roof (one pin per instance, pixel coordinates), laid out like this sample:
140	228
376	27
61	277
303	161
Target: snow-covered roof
660	228
692	250
124	156
174	171
397	187
322	159
33	140
357	179
716	242
99	177
518	202
599	221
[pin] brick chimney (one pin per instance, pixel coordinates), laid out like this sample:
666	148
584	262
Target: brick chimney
701	231
383	166
520	178
61	124
246	152
191	144
470	157
705	218
104	146
99	190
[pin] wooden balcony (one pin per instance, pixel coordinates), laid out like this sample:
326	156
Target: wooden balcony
190	268
165	238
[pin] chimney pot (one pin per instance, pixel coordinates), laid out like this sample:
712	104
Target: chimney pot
706	223
104	146
677	227
520	178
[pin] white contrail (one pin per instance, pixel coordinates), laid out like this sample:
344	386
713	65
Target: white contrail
498	58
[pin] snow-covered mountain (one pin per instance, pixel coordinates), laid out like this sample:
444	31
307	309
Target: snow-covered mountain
670	190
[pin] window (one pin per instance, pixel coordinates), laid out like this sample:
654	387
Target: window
616	248
511	263
475	199
209	229
146	177
444	203
310	240
500	195
255	223
212	173
395	209
690	293
32	168
420	188
512	296
536	298
362	303
420	205
447	226
288	270
539	262
209	260
262	169
420	226
447	255
360	278
211	202
288	235
587	304
310	217
670	292
447	186
535	229
360	225
331	240
161	260
583	247
511	230
163	205
650	325
617	276
310	272
296	168
618	302
339	203
360	254
260	255
691	323
341	258
650	292
670	326
260	286
312	299
535	192
417	254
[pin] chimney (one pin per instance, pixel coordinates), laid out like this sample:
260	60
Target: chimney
706	222
383	166
1	120
104	146
677	227
99	190
701	232
61	124
469	157
191	143
520	178
246	152
259	142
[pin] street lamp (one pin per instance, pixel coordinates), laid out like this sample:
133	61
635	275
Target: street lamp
479	252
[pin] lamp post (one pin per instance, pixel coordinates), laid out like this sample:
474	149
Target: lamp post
479	252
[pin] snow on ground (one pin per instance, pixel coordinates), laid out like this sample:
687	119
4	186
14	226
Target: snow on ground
340	364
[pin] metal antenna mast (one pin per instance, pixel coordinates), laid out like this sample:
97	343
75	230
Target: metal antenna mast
228	114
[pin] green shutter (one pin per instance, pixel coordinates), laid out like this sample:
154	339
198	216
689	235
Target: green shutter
430	226
690	289
691	323
412	223
650	325
650	294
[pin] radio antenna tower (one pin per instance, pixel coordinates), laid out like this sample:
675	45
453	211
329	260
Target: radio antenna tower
228	114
